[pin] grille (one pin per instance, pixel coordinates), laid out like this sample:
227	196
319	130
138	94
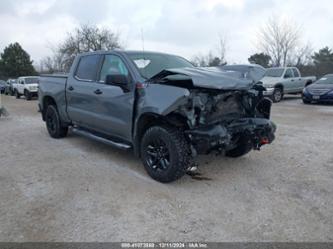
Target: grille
318	91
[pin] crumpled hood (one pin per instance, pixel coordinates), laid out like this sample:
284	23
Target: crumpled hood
208	77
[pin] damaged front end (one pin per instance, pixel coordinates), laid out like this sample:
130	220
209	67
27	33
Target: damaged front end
221	120
221	117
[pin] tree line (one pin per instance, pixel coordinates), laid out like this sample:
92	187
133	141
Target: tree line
279	43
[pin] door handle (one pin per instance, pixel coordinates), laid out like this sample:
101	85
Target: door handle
98	91
70	88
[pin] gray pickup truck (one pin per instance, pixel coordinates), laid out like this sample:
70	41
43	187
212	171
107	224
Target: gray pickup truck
279	81
160	106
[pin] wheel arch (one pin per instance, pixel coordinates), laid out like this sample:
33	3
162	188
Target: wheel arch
47	100
309	82
149	119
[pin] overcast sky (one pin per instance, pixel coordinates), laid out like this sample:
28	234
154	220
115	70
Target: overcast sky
184	27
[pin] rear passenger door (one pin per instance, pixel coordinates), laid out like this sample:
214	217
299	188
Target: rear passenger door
81	99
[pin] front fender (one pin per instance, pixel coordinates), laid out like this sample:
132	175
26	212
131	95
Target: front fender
161	99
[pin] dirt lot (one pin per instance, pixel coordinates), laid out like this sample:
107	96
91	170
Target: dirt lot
75	189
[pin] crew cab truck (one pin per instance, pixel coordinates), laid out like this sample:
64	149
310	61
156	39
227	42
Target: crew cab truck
27	86
158	105
284	80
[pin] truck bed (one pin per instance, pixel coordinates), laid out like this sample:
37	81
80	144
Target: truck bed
54	85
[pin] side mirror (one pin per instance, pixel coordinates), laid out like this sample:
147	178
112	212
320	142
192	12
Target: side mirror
117	80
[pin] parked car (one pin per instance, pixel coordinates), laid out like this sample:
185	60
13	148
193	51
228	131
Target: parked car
10	88
27	86
282	80
2	86
320	91
159	105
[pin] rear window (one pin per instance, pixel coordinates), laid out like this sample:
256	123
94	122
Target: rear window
87	67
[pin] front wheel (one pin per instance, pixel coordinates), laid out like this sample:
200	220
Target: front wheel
17	94
53	124
165	153
277	95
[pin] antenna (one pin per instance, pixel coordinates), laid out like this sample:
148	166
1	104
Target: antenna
143	53
142	40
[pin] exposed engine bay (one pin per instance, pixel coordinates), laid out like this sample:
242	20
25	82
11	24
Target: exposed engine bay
221	120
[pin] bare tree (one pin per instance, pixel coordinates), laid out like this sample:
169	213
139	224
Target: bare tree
279	39
222	49
199	60
302	55
214	57
85	38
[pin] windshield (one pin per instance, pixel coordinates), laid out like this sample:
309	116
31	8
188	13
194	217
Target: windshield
151	64
274	72
327	79
31	80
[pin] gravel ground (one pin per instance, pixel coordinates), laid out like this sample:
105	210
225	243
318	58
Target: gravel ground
75	189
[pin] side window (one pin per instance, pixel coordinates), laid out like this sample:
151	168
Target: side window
296	74
289	73
87	68
112	65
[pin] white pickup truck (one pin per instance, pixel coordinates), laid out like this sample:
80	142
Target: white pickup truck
27	86
281	80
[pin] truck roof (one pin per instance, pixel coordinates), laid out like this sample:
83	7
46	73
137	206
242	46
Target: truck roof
120	51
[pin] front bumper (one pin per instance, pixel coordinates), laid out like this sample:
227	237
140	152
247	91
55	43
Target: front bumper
223	137
269	91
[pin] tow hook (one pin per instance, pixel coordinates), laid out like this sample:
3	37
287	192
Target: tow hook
262	141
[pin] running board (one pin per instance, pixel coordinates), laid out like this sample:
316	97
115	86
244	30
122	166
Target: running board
100	139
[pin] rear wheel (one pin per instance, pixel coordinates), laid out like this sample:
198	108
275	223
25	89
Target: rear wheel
277	95
53	124
165	153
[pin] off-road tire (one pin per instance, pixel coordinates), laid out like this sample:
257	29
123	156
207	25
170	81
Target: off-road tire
27	95
244	146
53	123
277	95
178	148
